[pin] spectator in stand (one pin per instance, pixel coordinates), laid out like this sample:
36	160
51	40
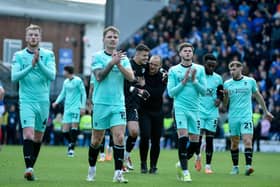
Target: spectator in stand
85	128
13	121
57	129
2	110
256	121
265	127
4	123
275	127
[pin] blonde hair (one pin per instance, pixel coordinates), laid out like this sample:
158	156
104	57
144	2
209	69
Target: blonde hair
110	28
33	27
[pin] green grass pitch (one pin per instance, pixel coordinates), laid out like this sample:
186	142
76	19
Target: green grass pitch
54	168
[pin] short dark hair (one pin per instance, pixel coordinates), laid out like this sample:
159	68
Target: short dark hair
209	56
69	69
185	44
235	62
111	28
142	47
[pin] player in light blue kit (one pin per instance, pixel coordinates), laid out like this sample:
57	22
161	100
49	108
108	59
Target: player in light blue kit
110	67
238	92
209	110
74	93
34	69
186	83
102	156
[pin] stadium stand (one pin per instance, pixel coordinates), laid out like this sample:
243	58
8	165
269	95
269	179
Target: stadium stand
245	30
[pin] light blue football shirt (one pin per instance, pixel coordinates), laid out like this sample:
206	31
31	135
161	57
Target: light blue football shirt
34	82
186	96
240	96
109	91
207	102
74	93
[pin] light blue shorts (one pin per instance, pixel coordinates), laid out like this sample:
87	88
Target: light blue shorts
240	126
34	115
71	117
209	124
107	116
187	120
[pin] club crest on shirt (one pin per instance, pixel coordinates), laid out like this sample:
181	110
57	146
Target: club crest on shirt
209	91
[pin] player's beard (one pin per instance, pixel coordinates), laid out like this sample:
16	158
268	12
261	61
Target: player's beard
111	48
33	44
209	72
112	45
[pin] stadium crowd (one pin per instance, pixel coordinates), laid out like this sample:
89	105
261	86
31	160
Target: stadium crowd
248	31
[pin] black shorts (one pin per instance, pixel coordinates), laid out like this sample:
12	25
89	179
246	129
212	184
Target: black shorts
132	115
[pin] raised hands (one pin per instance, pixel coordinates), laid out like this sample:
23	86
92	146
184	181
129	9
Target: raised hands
117	56
193	71
189	73
186	77
35	57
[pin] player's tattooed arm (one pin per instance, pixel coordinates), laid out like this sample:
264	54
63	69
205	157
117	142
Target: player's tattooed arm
100	74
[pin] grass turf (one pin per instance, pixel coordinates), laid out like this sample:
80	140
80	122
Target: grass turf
54	168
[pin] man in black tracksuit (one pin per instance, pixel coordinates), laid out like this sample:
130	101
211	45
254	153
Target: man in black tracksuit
151	114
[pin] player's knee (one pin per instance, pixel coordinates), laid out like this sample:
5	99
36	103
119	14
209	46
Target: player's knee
234	147
234	144
247	143
96	141
38	137
194	137
28	133
134	133
119	139
28	137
